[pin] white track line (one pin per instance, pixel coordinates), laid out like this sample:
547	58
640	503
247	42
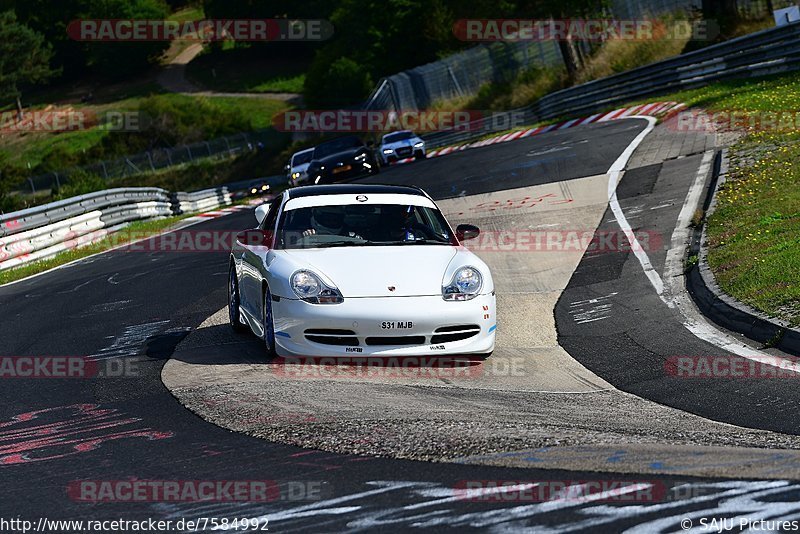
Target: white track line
613	179
676	296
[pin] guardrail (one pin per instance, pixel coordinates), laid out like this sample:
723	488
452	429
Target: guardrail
772	51
201	200
42	232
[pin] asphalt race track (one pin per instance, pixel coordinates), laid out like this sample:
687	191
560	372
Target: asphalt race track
134	308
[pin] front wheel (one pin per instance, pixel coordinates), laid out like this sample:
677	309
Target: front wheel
269	324
234	315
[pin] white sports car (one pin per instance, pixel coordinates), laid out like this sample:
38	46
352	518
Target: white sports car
359	270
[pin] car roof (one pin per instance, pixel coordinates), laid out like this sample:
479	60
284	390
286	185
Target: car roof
303	151
352	189
357	138
397	132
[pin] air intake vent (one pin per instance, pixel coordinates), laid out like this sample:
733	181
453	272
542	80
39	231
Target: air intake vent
447	334
455	328
332	336
395	340
330	332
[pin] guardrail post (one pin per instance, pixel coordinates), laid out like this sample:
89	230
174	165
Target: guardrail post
33	189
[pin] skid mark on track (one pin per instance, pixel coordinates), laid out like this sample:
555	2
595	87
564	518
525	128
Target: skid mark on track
590	310
54	433
512	506
130	342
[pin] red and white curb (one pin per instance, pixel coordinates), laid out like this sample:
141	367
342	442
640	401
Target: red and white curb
655	109
222	212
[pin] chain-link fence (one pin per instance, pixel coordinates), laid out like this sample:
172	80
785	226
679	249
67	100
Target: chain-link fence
158	159
461	74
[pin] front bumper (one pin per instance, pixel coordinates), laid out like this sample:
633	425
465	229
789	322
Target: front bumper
403	153
366	321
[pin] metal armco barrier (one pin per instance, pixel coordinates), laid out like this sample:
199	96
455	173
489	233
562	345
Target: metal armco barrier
772	51
42	232
201	200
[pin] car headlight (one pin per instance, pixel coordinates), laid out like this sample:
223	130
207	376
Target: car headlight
254	190
465	285
419	144
361	157
310	288
387	150
295	175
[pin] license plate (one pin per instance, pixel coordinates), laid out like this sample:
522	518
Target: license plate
342	169
395	325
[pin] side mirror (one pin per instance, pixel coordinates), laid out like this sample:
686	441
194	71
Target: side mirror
465	232
261	212
254	238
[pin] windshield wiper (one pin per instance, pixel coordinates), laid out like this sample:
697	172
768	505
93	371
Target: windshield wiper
411	242
334	244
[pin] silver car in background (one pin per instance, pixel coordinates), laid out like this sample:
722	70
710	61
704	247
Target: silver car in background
401	145
298	166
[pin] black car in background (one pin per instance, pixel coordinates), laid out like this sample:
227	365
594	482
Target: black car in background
341	159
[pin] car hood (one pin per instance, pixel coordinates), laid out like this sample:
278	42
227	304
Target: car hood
413	270
400	144
344	155
300	168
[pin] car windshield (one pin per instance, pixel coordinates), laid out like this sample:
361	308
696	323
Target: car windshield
337	145
397	136
362	225
302	157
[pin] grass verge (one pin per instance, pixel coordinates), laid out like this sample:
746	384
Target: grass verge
134	231
754	234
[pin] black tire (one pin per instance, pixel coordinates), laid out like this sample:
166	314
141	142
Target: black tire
420	155
268	324
234	315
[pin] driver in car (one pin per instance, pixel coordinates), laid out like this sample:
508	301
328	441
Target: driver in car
403	225
329	220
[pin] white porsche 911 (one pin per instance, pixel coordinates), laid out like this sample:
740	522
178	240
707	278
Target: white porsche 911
360	270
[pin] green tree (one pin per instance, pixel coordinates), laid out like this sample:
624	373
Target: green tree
105	59
24	58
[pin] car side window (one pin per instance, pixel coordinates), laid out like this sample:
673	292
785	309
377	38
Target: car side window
272	215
